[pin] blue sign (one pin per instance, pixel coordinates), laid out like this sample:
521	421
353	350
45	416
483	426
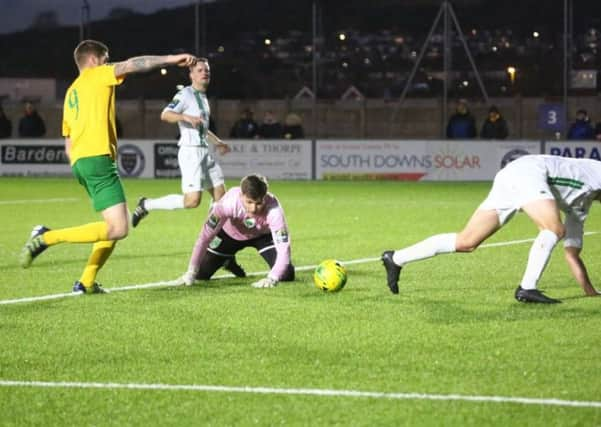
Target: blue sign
551	117
578	149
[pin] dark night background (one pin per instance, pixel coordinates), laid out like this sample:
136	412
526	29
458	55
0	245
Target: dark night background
382	39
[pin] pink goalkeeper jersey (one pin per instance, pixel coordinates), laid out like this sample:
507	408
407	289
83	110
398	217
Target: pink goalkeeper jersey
229	214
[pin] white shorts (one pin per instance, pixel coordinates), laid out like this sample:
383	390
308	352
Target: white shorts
199	169
521	181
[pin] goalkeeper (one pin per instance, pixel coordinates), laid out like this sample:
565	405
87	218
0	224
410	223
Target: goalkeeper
246	216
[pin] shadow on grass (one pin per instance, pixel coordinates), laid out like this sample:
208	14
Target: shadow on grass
206	285
578	297
450	312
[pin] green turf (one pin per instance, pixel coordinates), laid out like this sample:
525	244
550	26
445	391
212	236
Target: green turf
454	329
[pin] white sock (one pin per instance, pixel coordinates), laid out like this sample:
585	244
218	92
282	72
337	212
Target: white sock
172	201
438	244
540	252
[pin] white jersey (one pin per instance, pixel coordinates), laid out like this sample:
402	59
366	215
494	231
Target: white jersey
191	102
573	183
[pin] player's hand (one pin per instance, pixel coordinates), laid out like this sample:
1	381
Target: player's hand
188	278
223	148
183	60
194	121
267	282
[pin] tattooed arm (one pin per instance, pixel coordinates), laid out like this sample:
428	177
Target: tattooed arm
140	64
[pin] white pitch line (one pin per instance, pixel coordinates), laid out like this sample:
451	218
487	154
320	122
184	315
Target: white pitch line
304	392
178	282
40	298
22	202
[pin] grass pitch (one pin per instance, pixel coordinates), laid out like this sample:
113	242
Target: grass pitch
294	355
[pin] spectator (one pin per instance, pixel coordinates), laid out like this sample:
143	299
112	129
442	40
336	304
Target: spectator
270	128
245	127
31	124
293	127
495	126
598	132
6	126
581	128
461	124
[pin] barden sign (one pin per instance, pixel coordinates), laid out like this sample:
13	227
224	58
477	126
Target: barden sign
34	154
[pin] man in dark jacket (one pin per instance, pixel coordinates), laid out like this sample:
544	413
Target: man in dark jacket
495	126
581	129
461	124
245	127
271	128
31	124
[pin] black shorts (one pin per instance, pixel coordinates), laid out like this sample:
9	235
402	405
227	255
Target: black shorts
223	248
226	246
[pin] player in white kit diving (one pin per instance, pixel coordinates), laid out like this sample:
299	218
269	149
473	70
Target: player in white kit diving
541	186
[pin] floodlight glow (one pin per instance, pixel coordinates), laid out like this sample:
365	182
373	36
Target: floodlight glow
511	70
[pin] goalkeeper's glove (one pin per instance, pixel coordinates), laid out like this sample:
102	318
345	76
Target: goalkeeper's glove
267	282
189	277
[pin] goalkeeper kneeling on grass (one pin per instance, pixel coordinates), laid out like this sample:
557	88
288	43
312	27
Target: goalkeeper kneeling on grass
246	216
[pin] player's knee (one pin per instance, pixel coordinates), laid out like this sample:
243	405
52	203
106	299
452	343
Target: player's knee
118	231
192	199
191	203
465	245
559	230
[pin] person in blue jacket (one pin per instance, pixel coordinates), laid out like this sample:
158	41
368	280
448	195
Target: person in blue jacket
581	129
461	124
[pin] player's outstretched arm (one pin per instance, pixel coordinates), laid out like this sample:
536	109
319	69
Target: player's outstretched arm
140	64
578	269
221	146
173	117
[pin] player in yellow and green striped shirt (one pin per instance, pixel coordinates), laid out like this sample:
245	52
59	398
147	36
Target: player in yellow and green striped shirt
91	144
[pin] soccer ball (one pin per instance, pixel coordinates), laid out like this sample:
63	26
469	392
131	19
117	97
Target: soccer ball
330	276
